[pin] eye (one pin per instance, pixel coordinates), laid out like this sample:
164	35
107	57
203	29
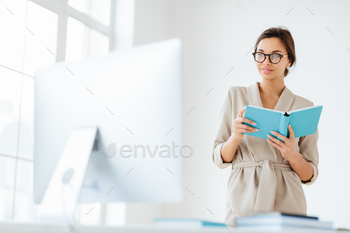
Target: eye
275	55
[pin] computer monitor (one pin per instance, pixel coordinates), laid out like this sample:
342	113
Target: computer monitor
134	98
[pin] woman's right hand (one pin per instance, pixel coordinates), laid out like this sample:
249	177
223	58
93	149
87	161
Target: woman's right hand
239	127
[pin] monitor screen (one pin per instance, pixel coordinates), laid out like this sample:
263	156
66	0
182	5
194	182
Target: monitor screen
135	99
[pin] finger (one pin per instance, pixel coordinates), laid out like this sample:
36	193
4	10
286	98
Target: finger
291	131
279	135
240	113
247	128
248	121
244	131
274	144
275	140
242	119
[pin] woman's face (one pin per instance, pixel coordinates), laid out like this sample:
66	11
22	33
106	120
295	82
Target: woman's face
267	69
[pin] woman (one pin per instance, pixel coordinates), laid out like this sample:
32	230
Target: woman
266	175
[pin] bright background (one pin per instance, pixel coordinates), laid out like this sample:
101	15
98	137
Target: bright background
218	37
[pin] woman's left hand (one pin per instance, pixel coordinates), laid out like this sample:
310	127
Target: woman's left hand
287	147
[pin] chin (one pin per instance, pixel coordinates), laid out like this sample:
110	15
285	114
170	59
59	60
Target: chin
267	76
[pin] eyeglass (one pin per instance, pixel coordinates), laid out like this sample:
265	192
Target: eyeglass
274	57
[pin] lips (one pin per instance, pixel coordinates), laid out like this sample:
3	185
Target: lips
266	70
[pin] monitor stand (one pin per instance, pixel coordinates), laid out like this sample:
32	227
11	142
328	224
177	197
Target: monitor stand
62	194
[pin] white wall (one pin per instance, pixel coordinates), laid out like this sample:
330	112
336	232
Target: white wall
151	21
218	35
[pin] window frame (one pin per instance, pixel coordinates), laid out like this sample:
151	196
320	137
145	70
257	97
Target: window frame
64	10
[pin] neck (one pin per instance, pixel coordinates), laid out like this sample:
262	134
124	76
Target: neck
272	88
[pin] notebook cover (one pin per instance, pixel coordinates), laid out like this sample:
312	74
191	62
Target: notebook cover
303	121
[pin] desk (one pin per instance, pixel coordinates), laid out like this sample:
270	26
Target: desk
43	228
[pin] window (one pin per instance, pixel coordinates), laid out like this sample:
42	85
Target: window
34	34
83	41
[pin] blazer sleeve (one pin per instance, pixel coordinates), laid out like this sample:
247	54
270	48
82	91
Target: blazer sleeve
309	151
224	130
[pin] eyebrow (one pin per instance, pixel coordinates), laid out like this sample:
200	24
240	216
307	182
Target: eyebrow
272	51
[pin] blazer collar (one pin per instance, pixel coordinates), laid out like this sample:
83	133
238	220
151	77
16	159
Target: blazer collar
284	102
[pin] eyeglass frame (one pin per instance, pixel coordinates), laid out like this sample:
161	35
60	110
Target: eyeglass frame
280	55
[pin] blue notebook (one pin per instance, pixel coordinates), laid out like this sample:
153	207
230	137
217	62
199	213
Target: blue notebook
279	219
303	121
186	222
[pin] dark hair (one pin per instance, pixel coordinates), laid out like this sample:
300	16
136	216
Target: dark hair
286	38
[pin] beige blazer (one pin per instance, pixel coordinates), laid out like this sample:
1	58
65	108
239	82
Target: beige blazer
261	179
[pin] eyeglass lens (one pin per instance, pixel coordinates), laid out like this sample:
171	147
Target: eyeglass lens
274	58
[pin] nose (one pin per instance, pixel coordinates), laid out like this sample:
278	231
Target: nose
267	60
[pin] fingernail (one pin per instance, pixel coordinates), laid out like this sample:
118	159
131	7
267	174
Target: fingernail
257	130
254	123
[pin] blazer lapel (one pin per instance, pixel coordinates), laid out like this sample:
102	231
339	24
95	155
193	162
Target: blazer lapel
254	95
285	101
